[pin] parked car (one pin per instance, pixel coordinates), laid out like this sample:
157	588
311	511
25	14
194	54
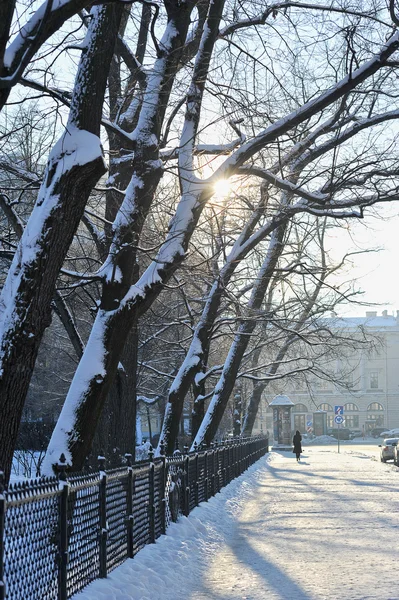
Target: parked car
388	433
355	433
343	433
387	449
377	431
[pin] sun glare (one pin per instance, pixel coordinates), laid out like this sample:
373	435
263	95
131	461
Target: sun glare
222	188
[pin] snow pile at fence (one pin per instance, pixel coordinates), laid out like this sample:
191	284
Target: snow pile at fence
148	575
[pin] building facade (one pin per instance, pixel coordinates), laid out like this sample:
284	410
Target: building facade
370	394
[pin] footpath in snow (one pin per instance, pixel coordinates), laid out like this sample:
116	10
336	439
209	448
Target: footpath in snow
323	529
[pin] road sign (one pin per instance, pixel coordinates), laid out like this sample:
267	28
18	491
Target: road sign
309	424
339	419
339	410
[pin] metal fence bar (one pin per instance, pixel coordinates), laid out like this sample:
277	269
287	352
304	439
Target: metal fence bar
129	507
63	529
151	499
103	518
164	483
196	483
206	475
2	523
186	482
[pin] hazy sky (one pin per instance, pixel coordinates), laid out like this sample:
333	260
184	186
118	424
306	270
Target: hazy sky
377	273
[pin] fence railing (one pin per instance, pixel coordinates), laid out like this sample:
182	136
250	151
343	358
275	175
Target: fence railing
57	534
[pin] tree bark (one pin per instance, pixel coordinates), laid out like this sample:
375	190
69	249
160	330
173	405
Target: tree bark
227	379
116	316
25	303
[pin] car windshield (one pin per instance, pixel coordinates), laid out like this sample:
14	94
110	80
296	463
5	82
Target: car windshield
389	441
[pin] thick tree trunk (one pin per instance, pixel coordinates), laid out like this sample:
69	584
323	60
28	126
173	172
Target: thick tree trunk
75	165
197	354
252	409
259	388
116	431
198	410
227	379
237	413
117	316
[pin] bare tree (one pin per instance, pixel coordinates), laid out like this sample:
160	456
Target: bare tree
146	121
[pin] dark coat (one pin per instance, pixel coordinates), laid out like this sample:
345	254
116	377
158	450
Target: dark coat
297	439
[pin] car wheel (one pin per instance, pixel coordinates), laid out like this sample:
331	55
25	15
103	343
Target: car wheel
383	459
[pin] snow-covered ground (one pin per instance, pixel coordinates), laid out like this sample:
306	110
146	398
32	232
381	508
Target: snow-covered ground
322	529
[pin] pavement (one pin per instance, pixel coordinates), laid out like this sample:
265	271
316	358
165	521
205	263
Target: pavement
325	528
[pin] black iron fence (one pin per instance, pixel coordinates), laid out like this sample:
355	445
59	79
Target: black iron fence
57	534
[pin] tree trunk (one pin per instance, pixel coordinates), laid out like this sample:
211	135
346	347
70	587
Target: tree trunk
70	177
117	316
227	379
259	388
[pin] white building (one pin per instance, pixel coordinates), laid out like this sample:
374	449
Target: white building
372	374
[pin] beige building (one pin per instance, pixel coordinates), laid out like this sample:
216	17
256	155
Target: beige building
371	374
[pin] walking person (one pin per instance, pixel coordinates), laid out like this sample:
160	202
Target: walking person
297	439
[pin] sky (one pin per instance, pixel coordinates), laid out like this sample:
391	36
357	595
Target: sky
375	272
281	531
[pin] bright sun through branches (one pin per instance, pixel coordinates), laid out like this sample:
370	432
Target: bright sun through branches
222	187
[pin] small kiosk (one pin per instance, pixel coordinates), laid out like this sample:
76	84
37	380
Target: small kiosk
282	407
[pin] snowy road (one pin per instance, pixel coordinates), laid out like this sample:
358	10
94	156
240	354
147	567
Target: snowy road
323	529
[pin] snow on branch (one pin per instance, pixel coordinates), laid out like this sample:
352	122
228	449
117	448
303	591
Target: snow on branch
283	6
148	401
44	22
309	109
283	184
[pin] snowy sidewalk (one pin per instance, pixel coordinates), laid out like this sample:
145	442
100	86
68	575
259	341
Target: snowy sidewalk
323	529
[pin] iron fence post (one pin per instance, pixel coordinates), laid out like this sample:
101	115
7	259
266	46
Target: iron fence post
151	499
213	469
2	526
196	475
235	459
129	506
206	475
217	468
164	483
187	482
223	473
103	517
63	529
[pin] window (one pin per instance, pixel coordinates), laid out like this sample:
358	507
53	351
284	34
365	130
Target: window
300	408
374	406
330	422
374	380
326	407
352	421
350	407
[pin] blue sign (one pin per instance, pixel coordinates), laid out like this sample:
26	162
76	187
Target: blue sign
339	410
339	419
309	424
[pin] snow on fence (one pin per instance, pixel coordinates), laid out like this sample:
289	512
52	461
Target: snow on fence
57	534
